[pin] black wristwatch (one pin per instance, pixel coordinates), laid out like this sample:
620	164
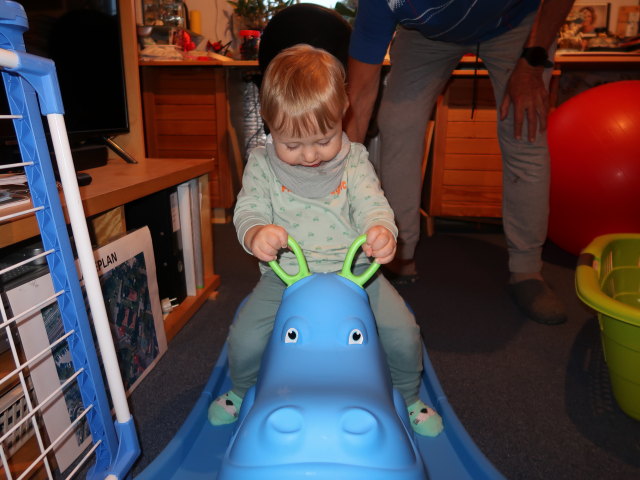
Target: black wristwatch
536	57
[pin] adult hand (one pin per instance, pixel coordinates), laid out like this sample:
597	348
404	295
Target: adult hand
527	93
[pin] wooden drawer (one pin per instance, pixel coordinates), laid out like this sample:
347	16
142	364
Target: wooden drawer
185	116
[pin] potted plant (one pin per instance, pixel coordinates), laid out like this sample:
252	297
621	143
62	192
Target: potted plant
255	14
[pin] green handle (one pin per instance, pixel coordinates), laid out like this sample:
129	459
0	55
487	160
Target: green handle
346	268
303	269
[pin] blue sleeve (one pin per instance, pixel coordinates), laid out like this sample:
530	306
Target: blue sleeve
372	32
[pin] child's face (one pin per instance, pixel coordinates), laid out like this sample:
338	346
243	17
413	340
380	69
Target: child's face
308	151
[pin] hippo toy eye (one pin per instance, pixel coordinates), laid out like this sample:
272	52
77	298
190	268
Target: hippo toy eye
356	337
291	336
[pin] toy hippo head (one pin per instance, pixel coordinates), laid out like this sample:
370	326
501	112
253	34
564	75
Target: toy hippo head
323	405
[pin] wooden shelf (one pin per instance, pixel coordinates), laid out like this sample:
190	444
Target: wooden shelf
183	312
23	458
596	58
115	184
118	183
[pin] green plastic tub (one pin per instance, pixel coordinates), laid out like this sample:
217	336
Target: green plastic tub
608	280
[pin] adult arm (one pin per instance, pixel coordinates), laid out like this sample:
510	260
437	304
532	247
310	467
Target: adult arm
362	87
526	90
373	30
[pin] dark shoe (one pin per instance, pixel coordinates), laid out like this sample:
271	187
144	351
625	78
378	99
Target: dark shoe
538	301
401	272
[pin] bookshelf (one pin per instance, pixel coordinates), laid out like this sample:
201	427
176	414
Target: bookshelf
114	185
118	183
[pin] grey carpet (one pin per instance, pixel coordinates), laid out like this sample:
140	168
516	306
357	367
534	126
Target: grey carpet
536	399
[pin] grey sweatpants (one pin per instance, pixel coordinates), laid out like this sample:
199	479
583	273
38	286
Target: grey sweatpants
399	334
420	69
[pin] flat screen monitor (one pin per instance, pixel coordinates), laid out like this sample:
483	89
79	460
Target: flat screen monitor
83	39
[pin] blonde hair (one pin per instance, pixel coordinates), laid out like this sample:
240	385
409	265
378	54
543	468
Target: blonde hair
303	91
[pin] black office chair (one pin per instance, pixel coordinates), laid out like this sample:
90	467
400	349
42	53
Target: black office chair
308	23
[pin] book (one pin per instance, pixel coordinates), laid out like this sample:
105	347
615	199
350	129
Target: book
196	200
186	234
158	212
126	267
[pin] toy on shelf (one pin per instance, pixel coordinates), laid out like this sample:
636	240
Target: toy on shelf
323	405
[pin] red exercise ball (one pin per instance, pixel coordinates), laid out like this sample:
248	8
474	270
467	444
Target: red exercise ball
594	144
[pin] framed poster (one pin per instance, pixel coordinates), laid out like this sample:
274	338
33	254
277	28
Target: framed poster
585	21
127	271
589	19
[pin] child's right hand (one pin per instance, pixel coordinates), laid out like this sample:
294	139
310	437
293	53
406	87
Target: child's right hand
264	241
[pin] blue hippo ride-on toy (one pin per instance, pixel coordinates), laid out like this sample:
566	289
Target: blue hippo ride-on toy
323	406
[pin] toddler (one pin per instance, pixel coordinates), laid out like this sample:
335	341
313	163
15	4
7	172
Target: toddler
312	183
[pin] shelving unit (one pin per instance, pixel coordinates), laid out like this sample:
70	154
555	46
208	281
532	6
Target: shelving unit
118	183
32	89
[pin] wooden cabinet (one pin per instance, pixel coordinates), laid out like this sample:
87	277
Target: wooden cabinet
185	116
466	175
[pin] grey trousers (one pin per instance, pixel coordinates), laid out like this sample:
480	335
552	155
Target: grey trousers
399	334
420	69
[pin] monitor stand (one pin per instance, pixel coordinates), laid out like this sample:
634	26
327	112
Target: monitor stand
118	150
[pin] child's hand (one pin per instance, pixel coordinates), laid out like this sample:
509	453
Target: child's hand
265	241
380	244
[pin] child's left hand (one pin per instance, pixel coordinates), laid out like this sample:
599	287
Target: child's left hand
380	244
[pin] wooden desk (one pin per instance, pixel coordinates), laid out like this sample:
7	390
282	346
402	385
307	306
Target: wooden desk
186	116
464	155
466	169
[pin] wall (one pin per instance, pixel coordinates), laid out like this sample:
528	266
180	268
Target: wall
215	18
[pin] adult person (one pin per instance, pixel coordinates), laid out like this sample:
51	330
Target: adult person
514	40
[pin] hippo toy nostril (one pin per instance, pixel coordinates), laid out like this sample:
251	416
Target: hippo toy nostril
357	421
286	420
